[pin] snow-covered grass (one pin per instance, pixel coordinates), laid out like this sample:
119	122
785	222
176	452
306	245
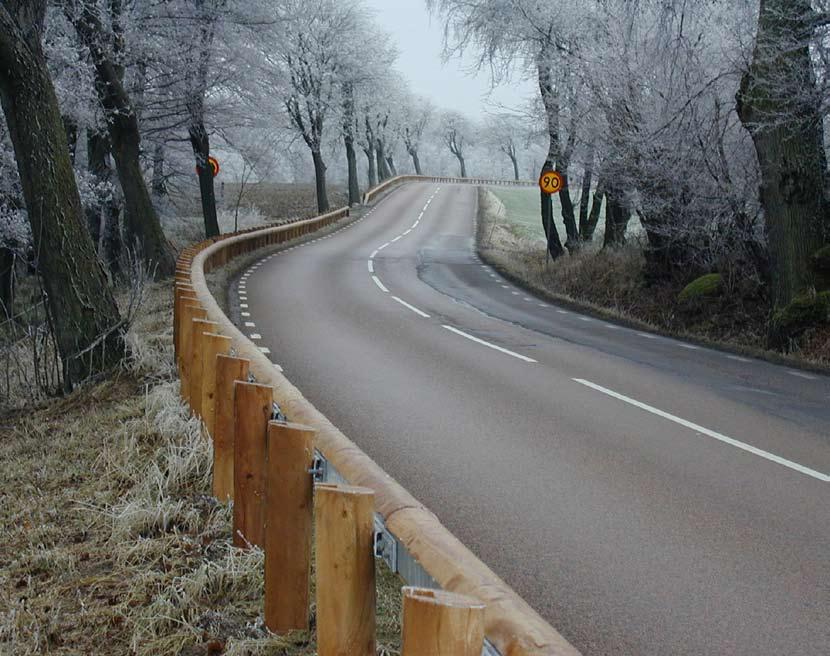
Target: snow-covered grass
111	541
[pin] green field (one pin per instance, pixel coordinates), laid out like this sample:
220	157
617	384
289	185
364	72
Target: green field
523	212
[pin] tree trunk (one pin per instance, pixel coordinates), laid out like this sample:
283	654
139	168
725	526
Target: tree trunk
568	216
778	104
320	182
104	224
200	142
585	195
70	126
462	164
351	161
617	217
372	173
392	169
416	162
348	140
593	216
143	227
87	324
551	104
159	182
7	260
515	161
383	167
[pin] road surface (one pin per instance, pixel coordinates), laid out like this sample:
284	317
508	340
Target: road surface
646	496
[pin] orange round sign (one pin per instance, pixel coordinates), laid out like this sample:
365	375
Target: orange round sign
214	166
551	182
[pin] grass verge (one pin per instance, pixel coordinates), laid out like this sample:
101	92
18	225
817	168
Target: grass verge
112	543
610	284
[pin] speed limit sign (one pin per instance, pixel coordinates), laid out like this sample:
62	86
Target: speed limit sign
551	182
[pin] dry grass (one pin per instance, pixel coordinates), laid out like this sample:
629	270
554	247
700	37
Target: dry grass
112	543
611	284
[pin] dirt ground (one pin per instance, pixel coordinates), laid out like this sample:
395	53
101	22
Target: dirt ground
611	284
112	543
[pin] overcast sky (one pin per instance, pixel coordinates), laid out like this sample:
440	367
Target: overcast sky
418	37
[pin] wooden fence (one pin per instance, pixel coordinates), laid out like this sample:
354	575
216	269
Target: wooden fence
264	467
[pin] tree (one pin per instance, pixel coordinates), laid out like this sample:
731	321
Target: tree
142	222
205	16
417	114
779	104
455	131
88	327
505	132
311	54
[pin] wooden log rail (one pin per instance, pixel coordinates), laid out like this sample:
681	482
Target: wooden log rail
376	191
263	466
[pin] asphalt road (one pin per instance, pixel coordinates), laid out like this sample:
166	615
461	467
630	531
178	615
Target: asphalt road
646	496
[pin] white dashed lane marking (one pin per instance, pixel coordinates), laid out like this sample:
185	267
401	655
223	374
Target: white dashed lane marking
412	307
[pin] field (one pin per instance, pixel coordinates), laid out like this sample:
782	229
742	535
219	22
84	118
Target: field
274	200
522	212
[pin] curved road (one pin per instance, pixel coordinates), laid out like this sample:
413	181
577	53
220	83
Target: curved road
646	496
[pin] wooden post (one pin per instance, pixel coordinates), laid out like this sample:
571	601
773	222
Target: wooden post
252	412
189	313
183	295
436	622
198	327
212	346
228	370
288	520
344	520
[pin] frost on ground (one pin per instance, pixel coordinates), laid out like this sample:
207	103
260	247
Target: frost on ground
112	543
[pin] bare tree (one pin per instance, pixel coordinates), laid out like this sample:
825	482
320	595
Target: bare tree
143	226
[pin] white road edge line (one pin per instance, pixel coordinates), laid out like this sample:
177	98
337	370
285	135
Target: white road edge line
524	358
380	284
371	266
710	433
411	307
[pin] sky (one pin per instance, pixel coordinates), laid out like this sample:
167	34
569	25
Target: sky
419	38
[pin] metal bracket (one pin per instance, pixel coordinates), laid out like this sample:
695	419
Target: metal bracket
276	413
319	469
385	545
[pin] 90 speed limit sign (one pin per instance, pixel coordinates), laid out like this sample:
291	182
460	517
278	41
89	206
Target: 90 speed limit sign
551	182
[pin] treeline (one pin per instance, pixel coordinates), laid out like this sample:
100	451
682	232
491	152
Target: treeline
704	120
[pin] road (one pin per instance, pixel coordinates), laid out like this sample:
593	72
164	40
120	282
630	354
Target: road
646	496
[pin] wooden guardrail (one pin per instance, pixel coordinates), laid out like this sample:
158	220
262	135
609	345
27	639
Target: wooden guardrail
374	192
263	466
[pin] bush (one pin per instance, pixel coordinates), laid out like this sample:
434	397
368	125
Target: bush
708	285
807	310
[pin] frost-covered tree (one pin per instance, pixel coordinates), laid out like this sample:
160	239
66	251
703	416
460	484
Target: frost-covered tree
456	132
88	327
415	118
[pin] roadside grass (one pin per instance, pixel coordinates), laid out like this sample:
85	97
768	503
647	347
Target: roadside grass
112	543
611	284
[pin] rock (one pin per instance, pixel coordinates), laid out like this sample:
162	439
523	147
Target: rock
807	310
708	285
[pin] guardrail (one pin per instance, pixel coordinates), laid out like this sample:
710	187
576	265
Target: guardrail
372	193
236	412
